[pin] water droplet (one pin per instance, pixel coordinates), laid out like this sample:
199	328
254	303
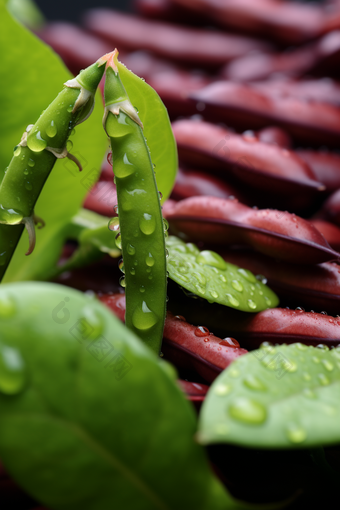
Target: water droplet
315	359
114	224
307	376
214	294
133	272
150	261
10	216
142	288
180	318
12	370
201	331
206	340
322	347
233	301
17	150
122	281
121	265
51	130
69	109
123	167
26	171
295	433
261	278
200	289
251	304
248	411
165	225
143	318
222	278
199	277
210	258
147	224
160	194
28	186
267	300
3	260
289	365
92	321
222	389
7	306
109	158
254	383
36	142
229	342
247	275
323	379
118	240
328	365
237	285
301	347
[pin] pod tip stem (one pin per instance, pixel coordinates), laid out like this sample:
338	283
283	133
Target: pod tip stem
110	60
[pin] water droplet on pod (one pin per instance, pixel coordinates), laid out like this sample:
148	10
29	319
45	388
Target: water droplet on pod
233	301
201	331
237	285
251	304
210	258
247	275
295	433
7	306
254	383
51	130
118	240
12	370
248	411
143	318
114	224
131	249
36	142
150	261
222	389
147	224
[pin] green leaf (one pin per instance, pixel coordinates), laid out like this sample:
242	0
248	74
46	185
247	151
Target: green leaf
89	418
207	275
157	129
275	397
27	12
31	76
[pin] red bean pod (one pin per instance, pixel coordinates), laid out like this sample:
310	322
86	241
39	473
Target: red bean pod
330	232
194	183
187	346
288	22
325	165
187	45
195	392
77	47
245	107
102	198
244	159
331	208
279	234
282	325
275	135
313	287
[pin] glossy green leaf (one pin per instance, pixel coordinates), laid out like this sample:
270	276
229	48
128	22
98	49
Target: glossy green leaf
207	275
275	397
31	76
89	418
157	129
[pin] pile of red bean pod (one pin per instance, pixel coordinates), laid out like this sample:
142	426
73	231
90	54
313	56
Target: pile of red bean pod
251	87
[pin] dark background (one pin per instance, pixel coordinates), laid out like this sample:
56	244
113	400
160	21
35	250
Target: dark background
71	10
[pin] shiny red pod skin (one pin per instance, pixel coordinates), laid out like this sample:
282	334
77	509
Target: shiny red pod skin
227	222
195	392
312	287
282	325
188	45
330	232
197	183
243	158
187	346
102	198
325	165
77	47
331	208
286	22
275	135
245	107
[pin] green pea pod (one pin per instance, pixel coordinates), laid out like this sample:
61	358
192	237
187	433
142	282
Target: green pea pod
35	155
141	236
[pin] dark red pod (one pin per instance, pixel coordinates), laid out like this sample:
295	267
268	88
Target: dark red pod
246	107
287	22
77	47
227	222
194	183
330	232
187	45
331	208
313	287
282	325
195	392
187	346
243	158
102	198
325	165
275	135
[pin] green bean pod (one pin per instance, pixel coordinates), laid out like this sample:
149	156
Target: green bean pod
141	236
34	158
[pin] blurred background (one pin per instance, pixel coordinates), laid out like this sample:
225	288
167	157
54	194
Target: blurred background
71	11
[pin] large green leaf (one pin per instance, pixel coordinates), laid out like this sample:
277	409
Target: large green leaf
275	397
157	129
31	76
89	418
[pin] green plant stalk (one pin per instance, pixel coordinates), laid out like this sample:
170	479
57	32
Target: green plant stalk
141	235
34	158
